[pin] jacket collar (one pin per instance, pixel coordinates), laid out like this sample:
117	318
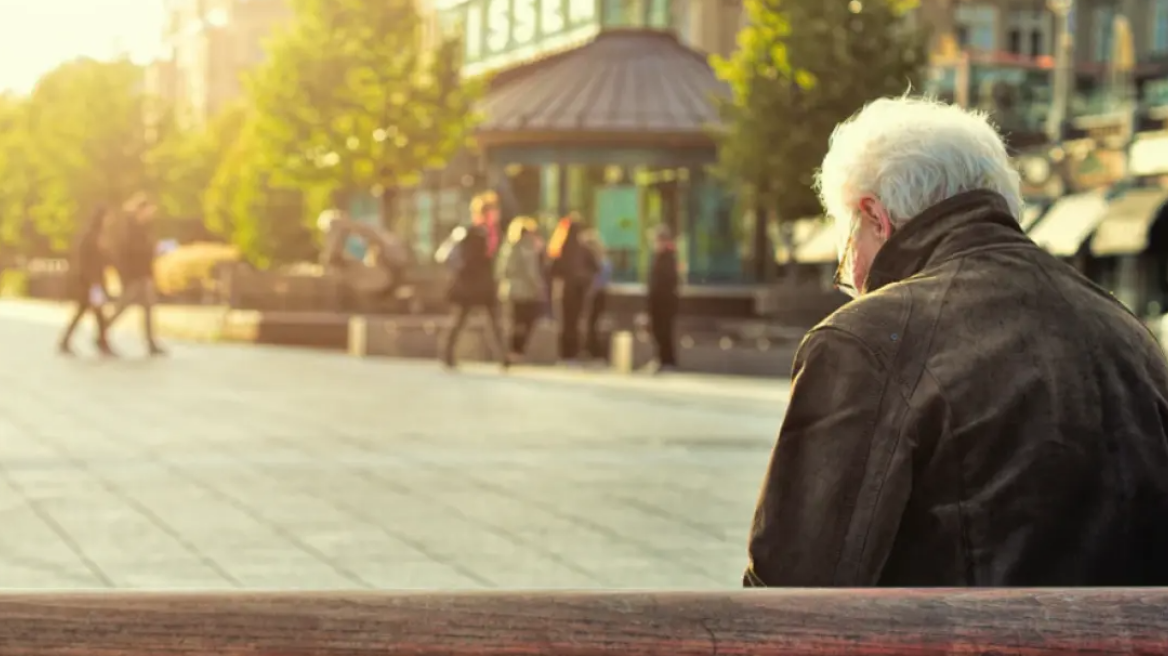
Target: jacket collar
947	230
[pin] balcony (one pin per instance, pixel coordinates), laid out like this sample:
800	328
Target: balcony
1016	91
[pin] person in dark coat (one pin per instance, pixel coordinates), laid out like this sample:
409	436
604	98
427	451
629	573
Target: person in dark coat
473	286
981	414
135	247
573	266
597	294
87	283
663	299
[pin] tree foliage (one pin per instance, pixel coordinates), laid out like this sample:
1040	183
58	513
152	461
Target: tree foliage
268	224
184	163
353	98
790	87
19	179
84	143
87	135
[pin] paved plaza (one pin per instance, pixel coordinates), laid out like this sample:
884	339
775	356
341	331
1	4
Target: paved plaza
228	466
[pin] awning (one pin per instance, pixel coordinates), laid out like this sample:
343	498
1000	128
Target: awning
820	248
1149	154
1070	222
1124	229
626	83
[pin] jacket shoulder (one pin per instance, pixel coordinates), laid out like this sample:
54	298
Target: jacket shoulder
875	319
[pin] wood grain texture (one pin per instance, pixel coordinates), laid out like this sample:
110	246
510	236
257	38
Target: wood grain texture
759	623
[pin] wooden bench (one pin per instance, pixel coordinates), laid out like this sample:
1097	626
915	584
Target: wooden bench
758	623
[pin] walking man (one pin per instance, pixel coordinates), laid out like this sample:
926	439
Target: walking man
87	283
135	246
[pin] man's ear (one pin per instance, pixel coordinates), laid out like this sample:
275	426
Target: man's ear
874	211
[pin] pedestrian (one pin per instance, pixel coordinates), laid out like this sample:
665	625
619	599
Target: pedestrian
484	210
663	299
573	270
87	283
980	414
521	282
597	295
135	245
473	286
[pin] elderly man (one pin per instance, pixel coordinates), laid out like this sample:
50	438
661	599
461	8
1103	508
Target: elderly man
980	414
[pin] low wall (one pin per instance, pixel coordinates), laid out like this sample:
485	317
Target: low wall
413	337
738	350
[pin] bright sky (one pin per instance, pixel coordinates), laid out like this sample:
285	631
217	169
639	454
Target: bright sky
36	35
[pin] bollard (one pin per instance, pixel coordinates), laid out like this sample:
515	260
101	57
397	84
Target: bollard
358	336
621	351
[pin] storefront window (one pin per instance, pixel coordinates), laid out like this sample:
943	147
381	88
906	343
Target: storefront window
714	247
659	14
404	215
453	210
1104	18
1017	96
680	15
624	13
424	244
549	194
977	26
1159	26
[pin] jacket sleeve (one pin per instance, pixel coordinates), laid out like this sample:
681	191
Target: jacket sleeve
838	479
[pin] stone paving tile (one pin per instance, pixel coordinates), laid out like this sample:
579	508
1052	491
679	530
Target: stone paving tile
244	467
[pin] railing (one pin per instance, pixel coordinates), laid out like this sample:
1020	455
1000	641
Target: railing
758	623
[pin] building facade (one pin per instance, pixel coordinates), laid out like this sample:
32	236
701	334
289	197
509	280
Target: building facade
1097	195
601	107
207	47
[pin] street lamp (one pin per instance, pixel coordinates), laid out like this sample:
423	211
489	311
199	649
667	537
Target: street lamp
1120	73
1063	86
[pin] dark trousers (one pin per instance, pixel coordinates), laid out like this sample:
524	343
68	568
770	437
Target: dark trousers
593	337
661	322
524	314
140	292
461	314
571	309
85	305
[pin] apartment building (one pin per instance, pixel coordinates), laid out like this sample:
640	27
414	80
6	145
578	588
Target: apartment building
1009	47
207	46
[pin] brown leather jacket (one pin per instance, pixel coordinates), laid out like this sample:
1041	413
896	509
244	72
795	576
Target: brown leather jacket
983	416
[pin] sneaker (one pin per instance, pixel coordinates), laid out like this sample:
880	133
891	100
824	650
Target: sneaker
157	352
65	349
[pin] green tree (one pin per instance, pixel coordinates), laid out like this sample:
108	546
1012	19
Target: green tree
353	98
19	180
790	87
86	139
183	163
269	225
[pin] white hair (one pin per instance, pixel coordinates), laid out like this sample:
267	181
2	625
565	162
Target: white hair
910	154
